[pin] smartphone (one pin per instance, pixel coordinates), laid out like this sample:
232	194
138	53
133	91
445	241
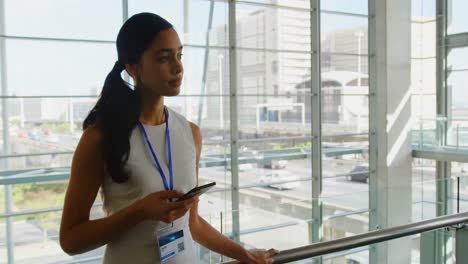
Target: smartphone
196	191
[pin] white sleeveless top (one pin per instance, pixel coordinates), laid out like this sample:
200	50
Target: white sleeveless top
139	244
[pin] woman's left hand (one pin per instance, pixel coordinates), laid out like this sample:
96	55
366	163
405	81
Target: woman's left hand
260	256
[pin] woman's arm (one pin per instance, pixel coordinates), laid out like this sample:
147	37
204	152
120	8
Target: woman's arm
210	238
77	232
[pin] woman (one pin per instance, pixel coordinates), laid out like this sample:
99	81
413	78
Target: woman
143	156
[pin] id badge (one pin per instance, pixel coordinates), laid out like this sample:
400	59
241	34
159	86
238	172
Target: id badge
171	244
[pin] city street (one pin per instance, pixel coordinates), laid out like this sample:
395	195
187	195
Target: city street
336	188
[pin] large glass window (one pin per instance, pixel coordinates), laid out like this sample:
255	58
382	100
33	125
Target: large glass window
62	19
423	69
457	70
196	21
55	63
344	117
456	18
355	7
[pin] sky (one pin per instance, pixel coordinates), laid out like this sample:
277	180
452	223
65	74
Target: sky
55	68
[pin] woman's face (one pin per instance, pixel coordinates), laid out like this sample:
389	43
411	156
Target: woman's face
160	70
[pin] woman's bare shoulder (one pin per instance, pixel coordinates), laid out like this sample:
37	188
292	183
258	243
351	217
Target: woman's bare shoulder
93	135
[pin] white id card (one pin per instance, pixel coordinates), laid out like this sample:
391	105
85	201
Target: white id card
171	244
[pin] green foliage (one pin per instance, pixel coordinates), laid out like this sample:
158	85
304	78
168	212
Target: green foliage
308	144
277	147
47	126
45	220
40	196
61	127
15	122
20	189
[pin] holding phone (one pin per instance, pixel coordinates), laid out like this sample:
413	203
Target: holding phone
196	191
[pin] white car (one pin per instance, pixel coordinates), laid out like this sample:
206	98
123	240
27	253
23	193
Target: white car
276	164
242	167
52	138
281	180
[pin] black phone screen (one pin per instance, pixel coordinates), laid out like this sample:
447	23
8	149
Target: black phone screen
196	191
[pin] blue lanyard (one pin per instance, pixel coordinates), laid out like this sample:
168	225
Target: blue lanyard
158	165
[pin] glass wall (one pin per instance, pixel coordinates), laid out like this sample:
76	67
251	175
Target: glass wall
53	63
344	117
456	19
423	72
456	72
66	60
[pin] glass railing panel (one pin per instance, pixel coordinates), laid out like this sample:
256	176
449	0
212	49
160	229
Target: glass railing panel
425	197
277	232
31	196
272	236
414	249
3	240
342	203
444	252
354	256
280	238
427	133
50	159
36	239
288	212
260	210
458	196
463	198
424	133
215	208
423	189
345	215
457	134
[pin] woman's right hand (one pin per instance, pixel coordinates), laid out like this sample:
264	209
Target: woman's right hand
156	206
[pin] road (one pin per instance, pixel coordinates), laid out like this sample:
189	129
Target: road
336	187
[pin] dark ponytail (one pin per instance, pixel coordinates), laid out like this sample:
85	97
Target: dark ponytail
118	108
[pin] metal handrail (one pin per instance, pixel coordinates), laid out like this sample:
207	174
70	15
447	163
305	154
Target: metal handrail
323	248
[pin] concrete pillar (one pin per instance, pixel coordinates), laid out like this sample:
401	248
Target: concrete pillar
391	186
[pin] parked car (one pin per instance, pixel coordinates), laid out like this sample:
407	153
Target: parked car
275	164
242	166
52	138
48	132
352	261
248	157
280	176
359	173
23	134
33	135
